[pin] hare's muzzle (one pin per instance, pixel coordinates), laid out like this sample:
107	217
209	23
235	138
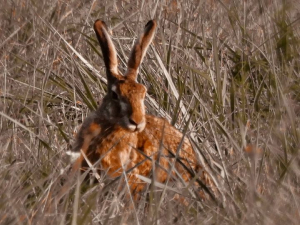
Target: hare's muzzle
133	125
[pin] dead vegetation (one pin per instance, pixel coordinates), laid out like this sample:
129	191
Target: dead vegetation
225	71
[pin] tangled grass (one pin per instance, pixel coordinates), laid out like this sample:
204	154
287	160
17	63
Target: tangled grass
226	70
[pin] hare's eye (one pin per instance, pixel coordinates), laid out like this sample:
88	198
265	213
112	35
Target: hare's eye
115	96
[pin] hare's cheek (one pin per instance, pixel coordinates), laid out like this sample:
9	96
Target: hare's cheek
124	108
142	103
113	110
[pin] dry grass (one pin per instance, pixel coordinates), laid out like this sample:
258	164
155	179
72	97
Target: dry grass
228	70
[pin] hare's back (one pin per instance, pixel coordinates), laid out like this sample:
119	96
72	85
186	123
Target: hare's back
159	137
162	142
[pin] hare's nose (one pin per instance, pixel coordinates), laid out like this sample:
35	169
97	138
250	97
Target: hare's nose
138	126
132	122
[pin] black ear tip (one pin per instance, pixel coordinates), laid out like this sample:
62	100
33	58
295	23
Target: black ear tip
150	24
99	24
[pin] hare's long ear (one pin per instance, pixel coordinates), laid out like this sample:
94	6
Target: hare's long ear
108	51
139	50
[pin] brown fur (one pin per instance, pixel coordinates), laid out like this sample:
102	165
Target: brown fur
122	136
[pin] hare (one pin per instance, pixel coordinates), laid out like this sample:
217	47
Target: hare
121	137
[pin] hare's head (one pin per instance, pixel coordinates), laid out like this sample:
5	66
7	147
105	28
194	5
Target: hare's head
124	102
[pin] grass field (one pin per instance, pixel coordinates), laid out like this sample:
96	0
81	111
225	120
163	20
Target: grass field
227	70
